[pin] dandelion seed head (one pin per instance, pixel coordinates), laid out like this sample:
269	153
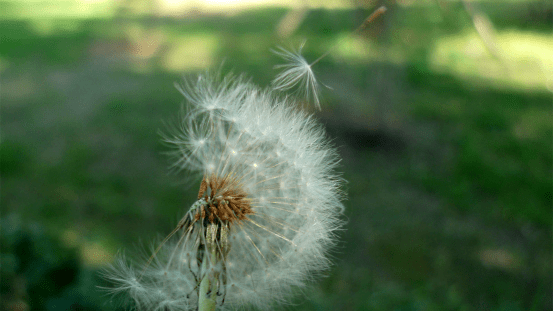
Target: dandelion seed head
267	178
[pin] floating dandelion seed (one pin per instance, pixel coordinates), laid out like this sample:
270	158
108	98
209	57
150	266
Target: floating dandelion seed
297	71
268	206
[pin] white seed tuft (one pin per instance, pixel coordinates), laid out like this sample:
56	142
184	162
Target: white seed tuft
296	73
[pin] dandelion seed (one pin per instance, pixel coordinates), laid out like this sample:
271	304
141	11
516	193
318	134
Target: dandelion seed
257	228
296	72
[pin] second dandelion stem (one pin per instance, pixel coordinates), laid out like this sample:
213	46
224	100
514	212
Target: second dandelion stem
366	22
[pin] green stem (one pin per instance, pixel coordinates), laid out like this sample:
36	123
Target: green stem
208	285
208	294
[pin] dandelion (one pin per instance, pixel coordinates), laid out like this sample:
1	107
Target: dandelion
268	206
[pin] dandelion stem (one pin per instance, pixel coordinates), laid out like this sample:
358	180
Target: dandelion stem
208	291
213	266
208	285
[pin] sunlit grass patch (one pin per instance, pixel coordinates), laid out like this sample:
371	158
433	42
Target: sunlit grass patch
525	60
190	53
56	9
94	254
355	49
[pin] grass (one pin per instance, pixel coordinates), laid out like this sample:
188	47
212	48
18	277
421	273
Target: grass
449	169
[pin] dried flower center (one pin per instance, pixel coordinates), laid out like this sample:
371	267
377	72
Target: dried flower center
226	201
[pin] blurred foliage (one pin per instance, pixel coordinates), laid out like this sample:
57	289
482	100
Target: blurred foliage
447	148
39	272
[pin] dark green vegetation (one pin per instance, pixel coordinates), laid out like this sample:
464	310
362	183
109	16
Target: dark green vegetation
450	179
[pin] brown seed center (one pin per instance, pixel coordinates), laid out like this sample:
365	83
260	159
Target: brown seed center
226	201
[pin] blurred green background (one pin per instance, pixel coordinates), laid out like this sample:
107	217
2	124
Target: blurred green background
442	112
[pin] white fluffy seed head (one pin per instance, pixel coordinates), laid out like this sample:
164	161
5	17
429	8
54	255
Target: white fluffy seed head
280	158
